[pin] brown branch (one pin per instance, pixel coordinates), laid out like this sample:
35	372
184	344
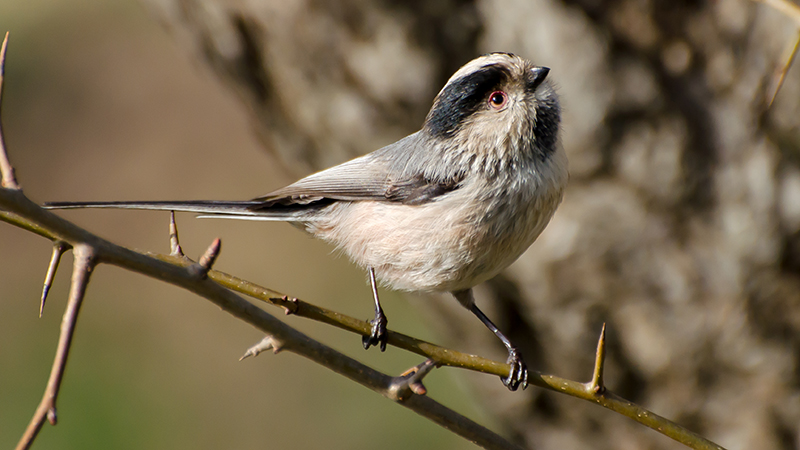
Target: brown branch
83	266
594	391
300	308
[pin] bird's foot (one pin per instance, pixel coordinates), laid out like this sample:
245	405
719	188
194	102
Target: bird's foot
518	376
378	335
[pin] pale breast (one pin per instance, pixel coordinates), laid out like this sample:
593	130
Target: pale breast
452	243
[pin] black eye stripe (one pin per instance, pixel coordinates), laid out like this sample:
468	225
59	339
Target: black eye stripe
462	97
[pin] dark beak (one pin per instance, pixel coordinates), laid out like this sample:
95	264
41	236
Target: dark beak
536	76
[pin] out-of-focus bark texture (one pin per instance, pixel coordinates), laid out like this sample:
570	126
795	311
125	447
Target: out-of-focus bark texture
681	225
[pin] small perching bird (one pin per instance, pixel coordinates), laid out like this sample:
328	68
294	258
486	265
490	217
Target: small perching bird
443	209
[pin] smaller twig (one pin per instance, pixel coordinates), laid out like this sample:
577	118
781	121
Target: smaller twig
59	247
410	381
596	386
83	266
174	244
201	268
9	180
781	75
268	343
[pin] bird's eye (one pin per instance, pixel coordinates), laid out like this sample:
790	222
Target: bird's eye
498	99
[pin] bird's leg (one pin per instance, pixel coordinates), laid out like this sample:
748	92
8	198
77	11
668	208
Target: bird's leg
518	376
378	334
519	372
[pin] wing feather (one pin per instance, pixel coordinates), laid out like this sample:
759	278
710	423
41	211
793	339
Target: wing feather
382	175
358	179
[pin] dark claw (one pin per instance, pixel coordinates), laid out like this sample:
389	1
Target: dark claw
519	372
378	335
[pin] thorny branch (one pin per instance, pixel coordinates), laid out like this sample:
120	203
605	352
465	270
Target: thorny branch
593	391
214	286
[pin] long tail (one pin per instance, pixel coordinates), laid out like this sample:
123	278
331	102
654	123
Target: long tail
209	208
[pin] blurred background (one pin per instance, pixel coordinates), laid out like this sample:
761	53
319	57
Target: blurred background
680	228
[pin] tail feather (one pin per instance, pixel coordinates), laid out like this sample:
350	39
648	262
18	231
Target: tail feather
241	208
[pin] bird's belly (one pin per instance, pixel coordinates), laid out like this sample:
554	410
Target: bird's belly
439	246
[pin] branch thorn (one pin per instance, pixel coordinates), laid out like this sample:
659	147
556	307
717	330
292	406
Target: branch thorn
201	268
265	344
174	244
58	249
597	386
289	304
410	381
52	416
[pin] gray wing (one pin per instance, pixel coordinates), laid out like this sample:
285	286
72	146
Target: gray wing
383	175
395	173
358	179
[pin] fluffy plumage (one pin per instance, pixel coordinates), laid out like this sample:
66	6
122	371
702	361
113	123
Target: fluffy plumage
443	209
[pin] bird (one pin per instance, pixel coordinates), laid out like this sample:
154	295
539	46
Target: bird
441	210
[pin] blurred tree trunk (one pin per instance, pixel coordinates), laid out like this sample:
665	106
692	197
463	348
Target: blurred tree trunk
681	225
